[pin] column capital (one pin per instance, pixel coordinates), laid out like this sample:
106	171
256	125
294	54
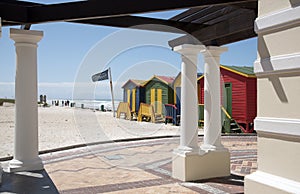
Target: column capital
26	36
213	51
189	49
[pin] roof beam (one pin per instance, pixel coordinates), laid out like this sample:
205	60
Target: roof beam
13	13
100	9
145	23
222	33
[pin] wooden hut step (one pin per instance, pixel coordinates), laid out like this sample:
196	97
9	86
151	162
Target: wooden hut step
159	118
158	115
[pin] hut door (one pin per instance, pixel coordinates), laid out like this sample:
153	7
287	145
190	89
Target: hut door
228	98
128	97
159	101
178	97
133	100
152	97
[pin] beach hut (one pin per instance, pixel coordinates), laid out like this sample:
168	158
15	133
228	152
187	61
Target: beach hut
134	94
159	91
173	110
177	88
239	99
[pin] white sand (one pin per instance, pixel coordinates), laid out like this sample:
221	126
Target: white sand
64	126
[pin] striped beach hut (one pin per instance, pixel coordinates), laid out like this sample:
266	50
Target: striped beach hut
134	93
177	88
159	91
239	97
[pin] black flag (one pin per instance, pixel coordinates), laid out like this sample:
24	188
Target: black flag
100	76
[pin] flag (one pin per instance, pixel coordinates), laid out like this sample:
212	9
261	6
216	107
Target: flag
100	76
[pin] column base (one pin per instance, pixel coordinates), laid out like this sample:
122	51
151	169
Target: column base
261	182
201	165
19	166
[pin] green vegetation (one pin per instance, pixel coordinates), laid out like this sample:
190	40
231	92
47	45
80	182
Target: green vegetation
2	100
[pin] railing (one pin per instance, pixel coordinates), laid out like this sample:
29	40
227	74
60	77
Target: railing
226	120
171	112
225	116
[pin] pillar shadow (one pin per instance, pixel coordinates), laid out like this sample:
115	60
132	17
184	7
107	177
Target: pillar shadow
274	79
28	182
229	180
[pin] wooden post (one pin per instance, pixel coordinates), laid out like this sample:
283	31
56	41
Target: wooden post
112	93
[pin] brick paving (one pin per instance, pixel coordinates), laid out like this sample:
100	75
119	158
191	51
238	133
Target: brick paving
142	166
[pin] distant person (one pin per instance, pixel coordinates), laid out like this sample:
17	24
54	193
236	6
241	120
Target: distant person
45	99
41	99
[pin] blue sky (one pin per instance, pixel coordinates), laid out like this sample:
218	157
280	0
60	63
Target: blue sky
69	53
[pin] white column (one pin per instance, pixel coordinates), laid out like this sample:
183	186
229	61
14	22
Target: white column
189	100
26	112
189	162
212	98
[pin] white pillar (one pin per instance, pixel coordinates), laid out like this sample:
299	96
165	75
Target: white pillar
212	160
189	100
26	113
212	98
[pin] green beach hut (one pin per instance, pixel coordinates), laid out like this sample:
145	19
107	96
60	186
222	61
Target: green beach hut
159	91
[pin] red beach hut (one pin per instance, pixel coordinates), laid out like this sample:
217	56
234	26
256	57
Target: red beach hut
239	97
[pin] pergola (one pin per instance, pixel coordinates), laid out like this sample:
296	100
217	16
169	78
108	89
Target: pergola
212	23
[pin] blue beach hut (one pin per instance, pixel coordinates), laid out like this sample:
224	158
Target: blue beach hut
134	94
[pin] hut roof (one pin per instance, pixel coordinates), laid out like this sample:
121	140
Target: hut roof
179	74
137	82
241	70
165	79
245	71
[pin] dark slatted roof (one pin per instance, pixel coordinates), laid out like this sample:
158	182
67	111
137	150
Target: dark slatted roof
213	22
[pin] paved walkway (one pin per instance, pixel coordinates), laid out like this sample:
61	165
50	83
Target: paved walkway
142	166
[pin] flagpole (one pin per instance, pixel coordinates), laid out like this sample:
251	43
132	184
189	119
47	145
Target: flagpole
112	93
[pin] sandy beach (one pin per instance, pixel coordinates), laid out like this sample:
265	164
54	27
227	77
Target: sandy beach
65	126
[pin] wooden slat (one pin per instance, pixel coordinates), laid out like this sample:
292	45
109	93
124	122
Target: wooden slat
225	28
204	13
187	13
228	15
214	14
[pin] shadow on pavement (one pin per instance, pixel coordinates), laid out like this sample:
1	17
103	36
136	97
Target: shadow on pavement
28	182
